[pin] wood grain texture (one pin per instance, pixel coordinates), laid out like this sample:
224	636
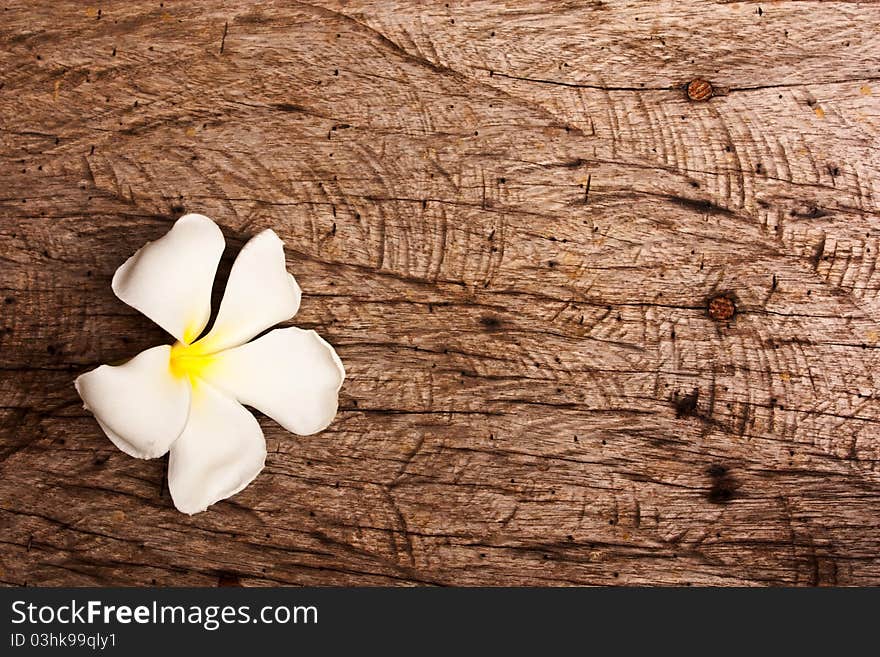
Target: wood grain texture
511	221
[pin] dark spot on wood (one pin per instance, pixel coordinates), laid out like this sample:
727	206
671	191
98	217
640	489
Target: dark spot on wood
101	459
289	107
723	486
228	579
816	257
699	90
178	209
721	307
490	323
223	38
686	405
9	300
701	206
810	211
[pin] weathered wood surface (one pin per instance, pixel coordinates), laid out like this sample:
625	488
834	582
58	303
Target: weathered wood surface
510	221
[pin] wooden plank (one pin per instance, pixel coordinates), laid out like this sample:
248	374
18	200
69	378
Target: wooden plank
511	222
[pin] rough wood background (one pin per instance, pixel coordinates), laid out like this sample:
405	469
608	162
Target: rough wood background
510	221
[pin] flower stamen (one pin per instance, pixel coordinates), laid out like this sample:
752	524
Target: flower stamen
190	361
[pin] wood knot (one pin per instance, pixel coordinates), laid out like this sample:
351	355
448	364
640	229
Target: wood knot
721	308
723	486
490	323
699	89
686	405
225	579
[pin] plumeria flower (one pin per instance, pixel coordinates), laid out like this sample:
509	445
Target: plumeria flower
188	397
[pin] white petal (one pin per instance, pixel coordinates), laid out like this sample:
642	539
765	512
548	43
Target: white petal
170	280
220	451
140	405
291	375
260	293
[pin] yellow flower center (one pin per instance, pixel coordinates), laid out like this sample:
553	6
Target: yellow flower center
191	360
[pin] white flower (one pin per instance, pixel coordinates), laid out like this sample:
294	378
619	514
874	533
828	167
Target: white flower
187	397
